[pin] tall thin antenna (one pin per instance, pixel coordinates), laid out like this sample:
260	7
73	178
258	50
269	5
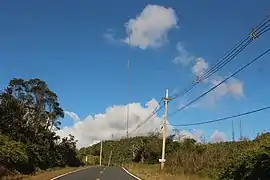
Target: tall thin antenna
233	131
240	129
128	77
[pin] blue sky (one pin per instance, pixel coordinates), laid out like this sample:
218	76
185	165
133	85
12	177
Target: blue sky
77	48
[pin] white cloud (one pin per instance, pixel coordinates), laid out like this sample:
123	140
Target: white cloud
218	137
150	28
112	123
183	57
73	115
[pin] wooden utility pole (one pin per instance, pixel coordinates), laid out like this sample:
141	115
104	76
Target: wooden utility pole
166	101
100	153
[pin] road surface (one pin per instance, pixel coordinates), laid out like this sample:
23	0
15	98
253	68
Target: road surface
99	173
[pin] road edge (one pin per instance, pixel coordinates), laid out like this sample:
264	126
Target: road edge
57	177
131	174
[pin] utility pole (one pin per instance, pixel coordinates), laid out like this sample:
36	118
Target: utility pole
162	160
100	153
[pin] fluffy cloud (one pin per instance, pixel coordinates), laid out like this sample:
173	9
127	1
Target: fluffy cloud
112	124
218	137
150	28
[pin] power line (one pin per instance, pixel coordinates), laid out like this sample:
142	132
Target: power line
229	54
159	103
217	66
147	119
157	109
224	118
154	112
214	87
209	73
206	74
253	35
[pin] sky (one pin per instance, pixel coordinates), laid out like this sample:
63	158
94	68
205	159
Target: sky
81	48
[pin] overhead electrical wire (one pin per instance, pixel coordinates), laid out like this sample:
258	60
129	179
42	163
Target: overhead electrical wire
260	29
205	75
214	69
223	118
214	87
249	39
159	103
157	109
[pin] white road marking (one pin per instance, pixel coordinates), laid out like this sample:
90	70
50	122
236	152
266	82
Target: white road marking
131	174
57	177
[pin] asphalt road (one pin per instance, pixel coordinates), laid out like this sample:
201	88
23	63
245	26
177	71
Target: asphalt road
99	173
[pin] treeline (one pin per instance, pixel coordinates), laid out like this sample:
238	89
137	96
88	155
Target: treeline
246	159
29	114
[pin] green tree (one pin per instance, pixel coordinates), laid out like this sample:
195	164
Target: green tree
29	111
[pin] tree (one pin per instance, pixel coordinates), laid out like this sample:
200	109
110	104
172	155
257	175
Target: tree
39	99
28	112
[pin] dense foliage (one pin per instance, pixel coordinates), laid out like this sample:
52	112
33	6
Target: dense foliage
246	159
29	114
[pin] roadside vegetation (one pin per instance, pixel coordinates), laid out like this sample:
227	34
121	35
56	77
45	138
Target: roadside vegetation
29	114
152	172
44	175
245	159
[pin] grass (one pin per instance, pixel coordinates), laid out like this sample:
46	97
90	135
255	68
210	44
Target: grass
153	172
46	175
